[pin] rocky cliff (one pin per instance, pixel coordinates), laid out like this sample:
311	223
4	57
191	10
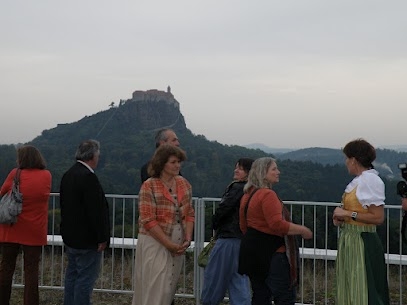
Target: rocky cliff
151	110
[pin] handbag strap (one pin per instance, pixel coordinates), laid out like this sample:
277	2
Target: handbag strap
16	181
248	201
17	177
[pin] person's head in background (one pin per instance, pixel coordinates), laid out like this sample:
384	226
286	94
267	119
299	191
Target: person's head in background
29	156
263	174
166	160
360	155
242	169
166	136
88	151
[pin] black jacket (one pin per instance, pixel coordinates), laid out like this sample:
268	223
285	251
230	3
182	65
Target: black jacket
84	209
225	221
143	172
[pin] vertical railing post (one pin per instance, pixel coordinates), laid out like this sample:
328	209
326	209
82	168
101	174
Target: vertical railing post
199	238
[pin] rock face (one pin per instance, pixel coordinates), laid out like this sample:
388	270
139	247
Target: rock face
151	110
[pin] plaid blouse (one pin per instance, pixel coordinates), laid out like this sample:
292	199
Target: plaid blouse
158	207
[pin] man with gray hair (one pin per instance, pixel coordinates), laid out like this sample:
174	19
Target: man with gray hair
85	224
163	136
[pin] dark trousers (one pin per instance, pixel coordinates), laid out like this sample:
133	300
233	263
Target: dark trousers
276	287
32	254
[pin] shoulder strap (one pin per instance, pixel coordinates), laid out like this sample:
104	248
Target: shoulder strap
248	201
17	177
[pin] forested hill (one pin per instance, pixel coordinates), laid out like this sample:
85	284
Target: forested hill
126	133
386	162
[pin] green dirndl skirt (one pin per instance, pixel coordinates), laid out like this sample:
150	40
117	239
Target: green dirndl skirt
361	275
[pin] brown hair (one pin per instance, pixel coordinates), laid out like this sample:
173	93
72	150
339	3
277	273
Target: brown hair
161	156
245	163
29	156
362	151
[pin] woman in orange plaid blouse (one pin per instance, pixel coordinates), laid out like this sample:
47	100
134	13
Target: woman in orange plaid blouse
166	222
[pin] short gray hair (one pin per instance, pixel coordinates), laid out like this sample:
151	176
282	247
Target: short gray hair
87	150
161	135
258	172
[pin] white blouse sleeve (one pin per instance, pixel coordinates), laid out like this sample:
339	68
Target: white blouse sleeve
370	190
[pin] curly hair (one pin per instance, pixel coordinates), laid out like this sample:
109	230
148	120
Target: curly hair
161	156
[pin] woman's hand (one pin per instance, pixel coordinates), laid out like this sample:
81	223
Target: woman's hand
338	221
177	249
185	245
374	215
173	247
307	233
339	216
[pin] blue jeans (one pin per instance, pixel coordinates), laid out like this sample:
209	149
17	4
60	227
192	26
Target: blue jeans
276	287
221	275
80	275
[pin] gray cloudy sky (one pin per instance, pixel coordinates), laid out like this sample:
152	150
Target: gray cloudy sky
283	73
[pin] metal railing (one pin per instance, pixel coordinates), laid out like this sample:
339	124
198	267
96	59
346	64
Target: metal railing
317	255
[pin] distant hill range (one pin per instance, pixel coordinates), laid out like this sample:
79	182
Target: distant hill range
268	149
398	148
126	132
386	163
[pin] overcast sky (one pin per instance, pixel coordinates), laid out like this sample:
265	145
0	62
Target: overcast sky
288	74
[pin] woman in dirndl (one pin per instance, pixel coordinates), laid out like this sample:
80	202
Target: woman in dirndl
166	222
361	277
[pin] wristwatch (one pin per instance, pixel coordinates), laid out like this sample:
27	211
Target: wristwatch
354	215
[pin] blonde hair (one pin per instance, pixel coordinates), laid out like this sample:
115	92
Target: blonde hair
258	172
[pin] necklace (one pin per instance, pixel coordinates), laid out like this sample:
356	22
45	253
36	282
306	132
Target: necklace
169	186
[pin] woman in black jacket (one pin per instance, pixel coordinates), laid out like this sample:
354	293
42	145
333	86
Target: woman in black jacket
221	272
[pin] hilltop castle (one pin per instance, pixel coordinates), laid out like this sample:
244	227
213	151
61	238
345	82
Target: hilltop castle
154	95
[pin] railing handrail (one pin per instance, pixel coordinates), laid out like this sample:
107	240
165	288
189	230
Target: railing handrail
125	211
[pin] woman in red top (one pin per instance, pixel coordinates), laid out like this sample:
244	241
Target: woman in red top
268	252
30	230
